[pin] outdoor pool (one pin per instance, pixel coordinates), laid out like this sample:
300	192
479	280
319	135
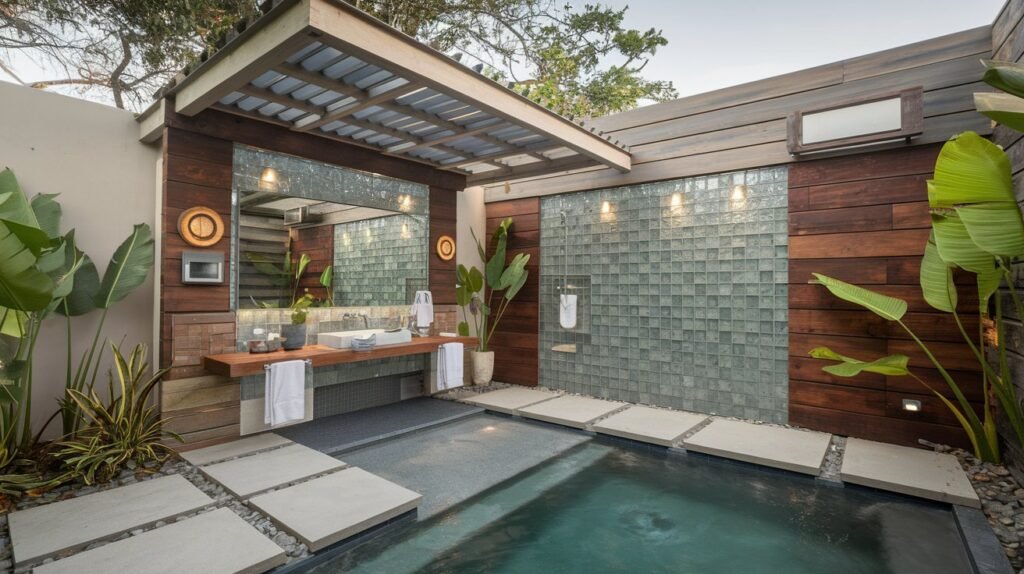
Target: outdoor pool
602	507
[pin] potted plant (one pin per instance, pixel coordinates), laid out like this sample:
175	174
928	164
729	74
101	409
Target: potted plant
295	333
476	293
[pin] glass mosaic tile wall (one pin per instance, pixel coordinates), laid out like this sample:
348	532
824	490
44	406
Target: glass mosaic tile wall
380	261
682	293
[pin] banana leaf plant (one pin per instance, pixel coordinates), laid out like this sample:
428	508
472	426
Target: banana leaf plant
43	272
286	275
476	290
976	227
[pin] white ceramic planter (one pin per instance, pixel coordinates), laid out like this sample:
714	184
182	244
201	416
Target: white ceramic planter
483	367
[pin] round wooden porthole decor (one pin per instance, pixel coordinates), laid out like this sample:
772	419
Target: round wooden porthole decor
200	226
445	248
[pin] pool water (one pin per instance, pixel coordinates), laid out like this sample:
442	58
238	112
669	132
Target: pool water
604	508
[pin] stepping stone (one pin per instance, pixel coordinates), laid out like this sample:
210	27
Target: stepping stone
656	426
913	471
332	508
249	475
42	531
777	447
234	449
571	411
217	542
510	400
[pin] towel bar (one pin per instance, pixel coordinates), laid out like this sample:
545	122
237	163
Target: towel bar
309	362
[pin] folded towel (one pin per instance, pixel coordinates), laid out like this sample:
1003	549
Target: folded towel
567	311
285	399
423	308
449	366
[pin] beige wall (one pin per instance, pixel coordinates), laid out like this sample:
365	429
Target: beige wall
89	154
470	214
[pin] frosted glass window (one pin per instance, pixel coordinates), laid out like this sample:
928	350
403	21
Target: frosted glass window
852	121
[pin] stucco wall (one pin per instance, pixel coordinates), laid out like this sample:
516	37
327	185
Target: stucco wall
89	154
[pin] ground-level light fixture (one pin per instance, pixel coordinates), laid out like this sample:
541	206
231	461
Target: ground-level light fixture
911	405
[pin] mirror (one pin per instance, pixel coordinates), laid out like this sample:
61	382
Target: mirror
342	237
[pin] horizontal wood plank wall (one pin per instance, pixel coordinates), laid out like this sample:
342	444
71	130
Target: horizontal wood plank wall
515	342
318	243
442	222
864	219
745	126
1008	45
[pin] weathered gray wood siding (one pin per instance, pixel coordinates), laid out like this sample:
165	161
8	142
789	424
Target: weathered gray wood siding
745	126
1008	45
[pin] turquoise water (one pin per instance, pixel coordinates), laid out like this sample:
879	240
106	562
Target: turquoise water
607	509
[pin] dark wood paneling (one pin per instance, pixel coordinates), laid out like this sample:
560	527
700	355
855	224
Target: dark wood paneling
864	219
443	206
515	342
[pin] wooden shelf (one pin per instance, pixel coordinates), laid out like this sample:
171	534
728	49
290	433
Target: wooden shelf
241	364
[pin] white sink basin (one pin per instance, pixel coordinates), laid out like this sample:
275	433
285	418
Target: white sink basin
343	339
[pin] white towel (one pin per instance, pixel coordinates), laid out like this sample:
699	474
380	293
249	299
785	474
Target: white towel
423	308
449	366
567	311
285	399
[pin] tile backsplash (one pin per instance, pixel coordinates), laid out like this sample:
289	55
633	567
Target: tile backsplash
682	293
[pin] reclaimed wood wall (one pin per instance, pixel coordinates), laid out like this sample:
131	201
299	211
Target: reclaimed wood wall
744	126
1008	45
515	341
864	219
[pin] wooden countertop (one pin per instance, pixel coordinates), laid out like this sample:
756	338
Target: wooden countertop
242	364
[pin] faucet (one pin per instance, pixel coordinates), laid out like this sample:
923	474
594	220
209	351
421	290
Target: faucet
363	316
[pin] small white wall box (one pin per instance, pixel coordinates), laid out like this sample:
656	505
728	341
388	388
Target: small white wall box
863	121
203	268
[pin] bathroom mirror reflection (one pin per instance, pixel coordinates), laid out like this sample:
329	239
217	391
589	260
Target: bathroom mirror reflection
341	237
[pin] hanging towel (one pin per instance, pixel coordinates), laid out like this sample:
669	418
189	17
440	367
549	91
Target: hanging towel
449	366
423	308
567	311
285	399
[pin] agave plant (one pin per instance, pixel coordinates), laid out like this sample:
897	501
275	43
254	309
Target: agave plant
121	428
504	281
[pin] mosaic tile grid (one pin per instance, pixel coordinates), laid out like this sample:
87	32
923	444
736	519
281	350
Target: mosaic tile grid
687	299
379	261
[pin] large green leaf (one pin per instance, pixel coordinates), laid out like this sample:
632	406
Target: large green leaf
15	205
84	294
937	279
514	271
996	228
23	286
48	213
988	284
955	245
495	267
893	365
1006	109
515	287
889	308
1006	76
970	169
128	268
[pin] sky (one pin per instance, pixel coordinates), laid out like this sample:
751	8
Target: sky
719	43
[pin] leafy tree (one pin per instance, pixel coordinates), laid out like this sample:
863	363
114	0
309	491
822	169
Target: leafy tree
122	49
577	61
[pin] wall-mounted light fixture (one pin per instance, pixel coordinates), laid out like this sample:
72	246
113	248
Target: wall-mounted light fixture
405	231
269	180
677	200
607	212
911	405
405	203
739	193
